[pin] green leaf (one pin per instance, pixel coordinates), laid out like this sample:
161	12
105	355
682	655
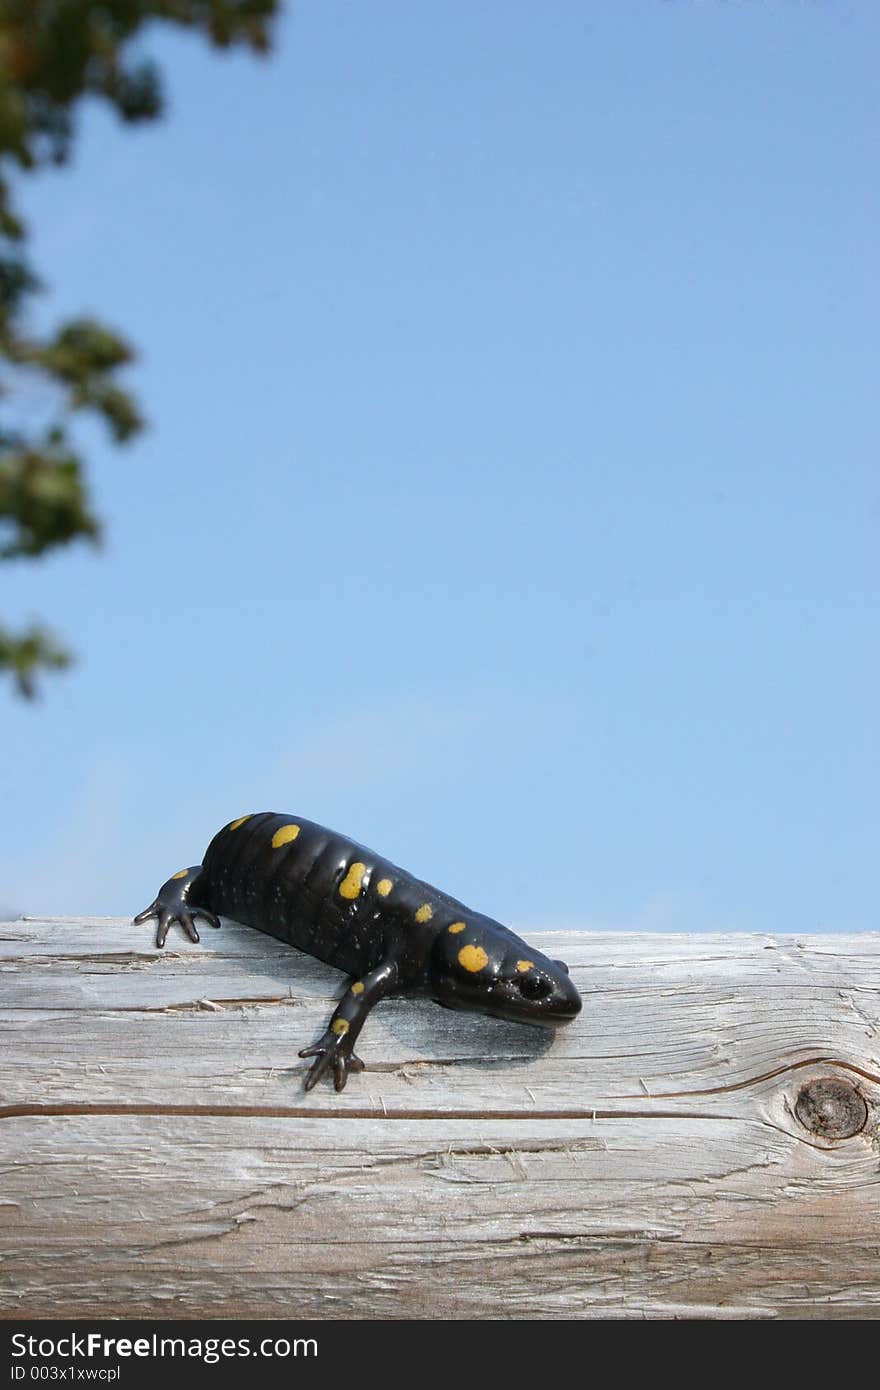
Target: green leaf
54	53
27	653
43	502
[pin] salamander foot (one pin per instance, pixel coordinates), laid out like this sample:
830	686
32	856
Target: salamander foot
170	905
334	1050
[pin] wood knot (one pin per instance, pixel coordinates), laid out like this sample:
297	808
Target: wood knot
831	1108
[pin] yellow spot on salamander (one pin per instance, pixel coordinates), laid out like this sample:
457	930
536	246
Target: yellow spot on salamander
524	965
425	913
357	987
473	958
236	823
351	884
340	1027
456	928
383	887
284	835
181	873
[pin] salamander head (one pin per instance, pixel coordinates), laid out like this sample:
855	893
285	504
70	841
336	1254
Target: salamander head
482	968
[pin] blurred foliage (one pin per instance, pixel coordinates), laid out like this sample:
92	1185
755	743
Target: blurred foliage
53	54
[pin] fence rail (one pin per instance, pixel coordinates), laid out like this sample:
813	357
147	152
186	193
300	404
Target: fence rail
703	1141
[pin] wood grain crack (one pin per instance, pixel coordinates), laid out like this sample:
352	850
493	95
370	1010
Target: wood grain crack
764	1076
306	1112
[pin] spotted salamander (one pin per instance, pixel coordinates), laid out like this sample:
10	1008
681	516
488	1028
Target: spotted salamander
393	934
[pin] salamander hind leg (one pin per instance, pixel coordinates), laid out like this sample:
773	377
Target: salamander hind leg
173	904
334	1050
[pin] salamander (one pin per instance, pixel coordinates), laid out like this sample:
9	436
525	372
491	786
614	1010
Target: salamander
391	933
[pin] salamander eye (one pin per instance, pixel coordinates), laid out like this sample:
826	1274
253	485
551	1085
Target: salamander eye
534	986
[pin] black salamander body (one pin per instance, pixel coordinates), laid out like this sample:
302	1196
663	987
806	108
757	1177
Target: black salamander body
393	934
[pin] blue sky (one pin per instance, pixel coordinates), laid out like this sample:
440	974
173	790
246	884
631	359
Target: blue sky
511	496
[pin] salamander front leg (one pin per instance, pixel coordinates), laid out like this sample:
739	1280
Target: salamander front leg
336	1048
173	904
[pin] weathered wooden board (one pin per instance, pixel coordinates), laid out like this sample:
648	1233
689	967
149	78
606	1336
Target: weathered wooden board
158	1156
